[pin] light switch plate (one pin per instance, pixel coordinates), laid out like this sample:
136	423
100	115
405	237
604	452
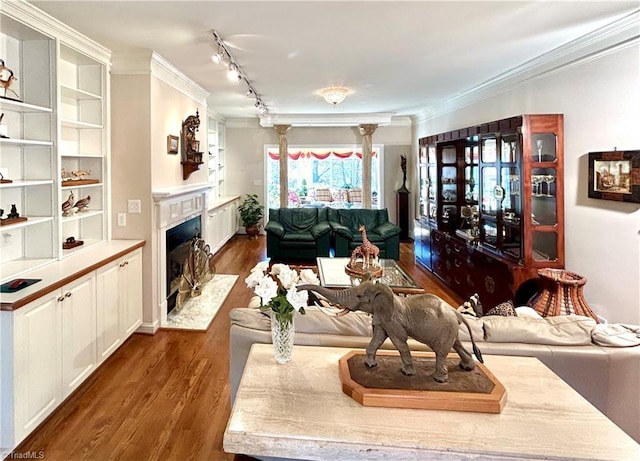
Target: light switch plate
122	219
134	206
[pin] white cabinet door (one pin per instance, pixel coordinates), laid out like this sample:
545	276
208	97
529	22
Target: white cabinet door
131	287
108	330
78	332
37	380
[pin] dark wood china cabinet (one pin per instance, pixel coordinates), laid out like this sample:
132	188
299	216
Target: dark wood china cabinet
491	205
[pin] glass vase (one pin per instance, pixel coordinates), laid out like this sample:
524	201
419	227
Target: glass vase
282	335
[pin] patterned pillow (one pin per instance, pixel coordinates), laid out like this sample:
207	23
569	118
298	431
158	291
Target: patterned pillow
340	195
505	309
355	195
472	307
323	195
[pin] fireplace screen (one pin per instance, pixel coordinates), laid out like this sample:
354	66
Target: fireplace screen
178	242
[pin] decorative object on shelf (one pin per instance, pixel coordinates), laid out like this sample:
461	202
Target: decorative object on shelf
76	178
4	132
191	156
280	296
71	242
370	263
172	144
67	205
615	175
82	204
4	181
251	212
12	218
425	318
198	270
561	294
6	80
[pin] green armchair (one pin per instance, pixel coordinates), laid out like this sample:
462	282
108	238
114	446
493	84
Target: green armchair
382	233
298	233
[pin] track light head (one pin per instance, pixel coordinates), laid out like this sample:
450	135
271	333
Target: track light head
217	58
233	73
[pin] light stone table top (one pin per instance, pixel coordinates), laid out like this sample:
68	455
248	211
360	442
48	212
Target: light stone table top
298	410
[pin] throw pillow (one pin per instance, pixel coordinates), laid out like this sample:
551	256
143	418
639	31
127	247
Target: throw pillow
505	309
564	330
323	195
616	335
472	306
355	195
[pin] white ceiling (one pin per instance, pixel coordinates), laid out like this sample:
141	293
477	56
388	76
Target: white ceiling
397	57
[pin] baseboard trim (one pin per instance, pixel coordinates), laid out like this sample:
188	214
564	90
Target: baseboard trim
148	328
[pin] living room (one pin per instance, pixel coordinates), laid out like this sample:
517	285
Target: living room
590	75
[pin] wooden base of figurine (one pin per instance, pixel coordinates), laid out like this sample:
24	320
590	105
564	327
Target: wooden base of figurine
385	385
7	221
79	182
69	245
357	270
5	181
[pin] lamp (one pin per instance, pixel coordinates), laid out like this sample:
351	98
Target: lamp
236	74
335	94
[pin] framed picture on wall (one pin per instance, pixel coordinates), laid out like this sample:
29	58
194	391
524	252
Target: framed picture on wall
615	175
172	144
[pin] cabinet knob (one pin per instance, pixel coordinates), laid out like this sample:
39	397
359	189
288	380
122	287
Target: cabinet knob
68	294
60	299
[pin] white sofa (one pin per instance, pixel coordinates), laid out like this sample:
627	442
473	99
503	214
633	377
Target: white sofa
608	377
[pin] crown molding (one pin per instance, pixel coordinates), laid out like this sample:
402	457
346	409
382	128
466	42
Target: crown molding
37	19
611	38
325	120
148	62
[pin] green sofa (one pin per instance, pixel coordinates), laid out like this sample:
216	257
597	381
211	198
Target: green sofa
298	234
382	233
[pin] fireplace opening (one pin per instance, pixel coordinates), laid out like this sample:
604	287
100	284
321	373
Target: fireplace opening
177	250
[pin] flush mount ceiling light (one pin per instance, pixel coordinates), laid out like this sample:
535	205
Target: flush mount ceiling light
236	74
335	94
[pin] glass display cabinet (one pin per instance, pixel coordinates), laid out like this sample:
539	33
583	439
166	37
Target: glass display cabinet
492	199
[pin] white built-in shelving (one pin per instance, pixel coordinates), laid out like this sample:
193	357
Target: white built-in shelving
216	134
58	121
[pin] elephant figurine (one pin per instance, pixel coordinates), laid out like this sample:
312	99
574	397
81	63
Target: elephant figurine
426	318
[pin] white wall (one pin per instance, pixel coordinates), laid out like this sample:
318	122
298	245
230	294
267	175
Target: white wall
144	110
600	100
245	153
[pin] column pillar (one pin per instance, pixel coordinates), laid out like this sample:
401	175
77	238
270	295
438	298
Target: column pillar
284	164
366	131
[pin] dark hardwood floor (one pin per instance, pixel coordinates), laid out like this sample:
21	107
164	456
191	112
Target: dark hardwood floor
166	396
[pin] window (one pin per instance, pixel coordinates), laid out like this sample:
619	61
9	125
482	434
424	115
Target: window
323	176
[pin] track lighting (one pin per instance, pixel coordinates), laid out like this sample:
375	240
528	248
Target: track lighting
235	73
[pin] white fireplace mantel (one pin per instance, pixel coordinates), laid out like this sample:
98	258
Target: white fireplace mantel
174	206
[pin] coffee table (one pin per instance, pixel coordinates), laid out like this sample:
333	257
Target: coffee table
332	275
298	411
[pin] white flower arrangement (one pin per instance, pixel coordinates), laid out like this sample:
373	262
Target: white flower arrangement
277	288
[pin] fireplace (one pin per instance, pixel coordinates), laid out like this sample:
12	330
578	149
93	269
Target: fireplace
178	239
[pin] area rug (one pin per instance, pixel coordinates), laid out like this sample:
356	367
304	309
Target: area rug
198	312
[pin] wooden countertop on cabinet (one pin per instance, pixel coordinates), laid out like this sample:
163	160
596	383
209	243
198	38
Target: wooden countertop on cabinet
59	273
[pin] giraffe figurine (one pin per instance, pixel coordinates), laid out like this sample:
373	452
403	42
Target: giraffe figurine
370	252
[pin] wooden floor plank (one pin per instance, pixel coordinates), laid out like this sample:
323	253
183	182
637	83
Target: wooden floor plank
166	396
